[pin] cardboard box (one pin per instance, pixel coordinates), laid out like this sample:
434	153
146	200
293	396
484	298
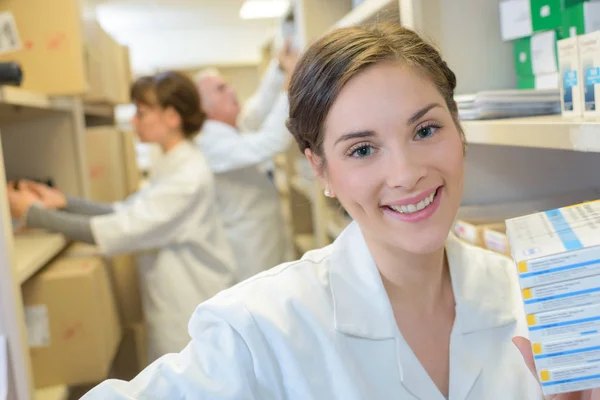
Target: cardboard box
495	239
72	322
132	356
125	280
51	41
536	55
581	18
133	174
471	230
571	96
589	61
557	254
522	18
108	66
105	157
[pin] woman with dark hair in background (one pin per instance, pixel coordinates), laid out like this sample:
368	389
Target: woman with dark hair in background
172	225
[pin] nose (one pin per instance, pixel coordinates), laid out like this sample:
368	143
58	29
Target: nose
404	168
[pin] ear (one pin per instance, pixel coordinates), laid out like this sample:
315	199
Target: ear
173	118
317	165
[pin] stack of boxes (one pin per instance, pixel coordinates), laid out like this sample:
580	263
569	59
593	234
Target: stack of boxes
535	27
557	253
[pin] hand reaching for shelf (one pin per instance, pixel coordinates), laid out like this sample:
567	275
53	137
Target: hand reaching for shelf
20	201
50	197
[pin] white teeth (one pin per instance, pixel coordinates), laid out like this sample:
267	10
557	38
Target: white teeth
412	208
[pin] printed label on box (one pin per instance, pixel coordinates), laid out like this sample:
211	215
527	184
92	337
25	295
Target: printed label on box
38	326
592	76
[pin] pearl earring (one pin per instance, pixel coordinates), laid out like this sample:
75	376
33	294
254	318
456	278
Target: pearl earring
327	193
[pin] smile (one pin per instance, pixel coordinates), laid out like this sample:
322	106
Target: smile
421	208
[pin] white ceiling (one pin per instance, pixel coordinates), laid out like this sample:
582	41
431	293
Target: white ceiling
165	34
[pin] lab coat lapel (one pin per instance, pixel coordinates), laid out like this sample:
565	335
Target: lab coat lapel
363	314
483	302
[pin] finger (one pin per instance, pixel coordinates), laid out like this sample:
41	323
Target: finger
524	347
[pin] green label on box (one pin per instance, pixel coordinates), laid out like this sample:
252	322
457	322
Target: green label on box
525	82
546	14
574	20
522	56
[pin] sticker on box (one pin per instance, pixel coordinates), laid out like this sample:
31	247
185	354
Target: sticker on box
570	379
567	294
563	323
567	352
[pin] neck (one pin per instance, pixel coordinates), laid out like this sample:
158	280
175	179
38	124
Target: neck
418	281
171	142
226	121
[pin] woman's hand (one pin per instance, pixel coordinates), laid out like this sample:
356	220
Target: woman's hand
20	201
524	347
50	197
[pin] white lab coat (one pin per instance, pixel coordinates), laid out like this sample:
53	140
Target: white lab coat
248	201
322	328
184	257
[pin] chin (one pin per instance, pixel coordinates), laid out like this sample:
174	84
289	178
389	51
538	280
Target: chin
419	241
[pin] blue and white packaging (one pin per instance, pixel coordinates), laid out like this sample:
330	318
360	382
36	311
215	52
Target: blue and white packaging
557	256
589	59
570	81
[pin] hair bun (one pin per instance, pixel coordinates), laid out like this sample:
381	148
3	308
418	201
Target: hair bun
193	122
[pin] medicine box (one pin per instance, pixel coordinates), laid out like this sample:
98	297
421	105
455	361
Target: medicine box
494	238
471	230
570	80
557	256
567	352
589	60
536	55
581	18
570	379
567	294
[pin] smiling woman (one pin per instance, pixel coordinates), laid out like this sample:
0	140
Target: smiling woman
397	307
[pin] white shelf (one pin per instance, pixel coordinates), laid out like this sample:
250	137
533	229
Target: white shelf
34	250
366	12
304	242
52	393
547	132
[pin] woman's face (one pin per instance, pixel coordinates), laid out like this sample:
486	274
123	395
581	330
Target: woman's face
153	124
394	158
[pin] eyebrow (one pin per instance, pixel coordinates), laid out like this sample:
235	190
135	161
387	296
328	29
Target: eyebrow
354	135
419	114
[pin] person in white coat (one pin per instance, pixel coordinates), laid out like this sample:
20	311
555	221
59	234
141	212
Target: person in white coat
248	200
397	307
183	256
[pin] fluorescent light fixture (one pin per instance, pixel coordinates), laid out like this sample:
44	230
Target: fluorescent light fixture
254	9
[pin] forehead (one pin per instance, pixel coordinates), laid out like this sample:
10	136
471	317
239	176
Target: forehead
383	95
212	81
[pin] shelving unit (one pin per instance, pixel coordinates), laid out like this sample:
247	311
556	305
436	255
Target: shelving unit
34	251
369	12
546	132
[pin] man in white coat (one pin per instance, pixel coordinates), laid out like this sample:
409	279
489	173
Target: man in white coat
237	143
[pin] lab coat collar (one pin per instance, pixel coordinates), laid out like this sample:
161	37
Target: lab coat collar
480	280
171	160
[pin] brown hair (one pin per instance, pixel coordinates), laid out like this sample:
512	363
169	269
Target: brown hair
339	56
171	89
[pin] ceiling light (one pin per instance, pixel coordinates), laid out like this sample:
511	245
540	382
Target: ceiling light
254	9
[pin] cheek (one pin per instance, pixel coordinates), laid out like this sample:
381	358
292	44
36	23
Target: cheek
353	184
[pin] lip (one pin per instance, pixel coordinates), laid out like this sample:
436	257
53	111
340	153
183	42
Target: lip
418	216
413	200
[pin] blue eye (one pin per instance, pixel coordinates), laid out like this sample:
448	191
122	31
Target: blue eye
362	151
426	131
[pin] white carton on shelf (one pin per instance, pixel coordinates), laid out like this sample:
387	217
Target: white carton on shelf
515	19
589	60
570	81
